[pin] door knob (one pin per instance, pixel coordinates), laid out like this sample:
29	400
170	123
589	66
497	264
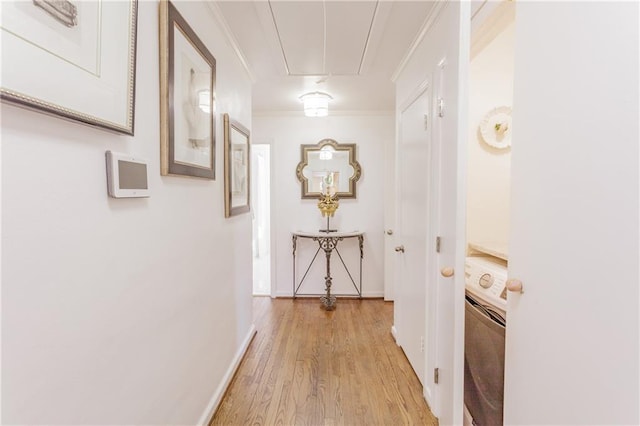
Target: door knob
514	285
446	272
400	249
389	231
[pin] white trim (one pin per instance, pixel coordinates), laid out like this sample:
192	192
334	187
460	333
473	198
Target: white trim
426	26
224	26
488	22
394	333
365	295
462	143
373	37
268	25
414	96
207	415
273	167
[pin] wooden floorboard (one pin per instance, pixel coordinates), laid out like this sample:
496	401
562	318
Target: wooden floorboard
307	366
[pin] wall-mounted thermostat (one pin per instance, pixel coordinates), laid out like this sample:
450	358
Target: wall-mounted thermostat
126	176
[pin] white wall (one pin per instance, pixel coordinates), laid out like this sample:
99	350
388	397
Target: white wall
489	168
127	311
290	213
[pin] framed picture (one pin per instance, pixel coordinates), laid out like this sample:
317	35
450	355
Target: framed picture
187	85
73	59
236	166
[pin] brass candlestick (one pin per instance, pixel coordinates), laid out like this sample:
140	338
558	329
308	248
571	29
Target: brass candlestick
328	205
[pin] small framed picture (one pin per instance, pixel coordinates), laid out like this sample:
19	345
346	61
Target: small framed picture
237	147
187	85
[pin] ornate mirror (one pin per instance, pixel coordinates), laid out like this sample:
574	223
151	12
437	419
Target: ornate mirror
328	167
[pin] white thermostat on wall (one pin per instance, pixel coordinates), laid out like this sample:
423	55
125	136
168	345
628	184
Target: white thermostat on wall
127	176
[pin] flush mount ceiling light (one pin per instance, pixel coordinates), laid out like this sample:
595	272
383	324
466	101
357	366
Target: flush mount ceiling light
316	104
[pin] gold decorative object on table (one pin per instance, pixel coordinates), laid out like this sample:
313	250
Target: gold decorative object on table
328	205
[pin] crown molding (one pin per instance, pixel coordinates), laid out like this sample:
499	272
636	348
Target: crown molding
488	22
424	30
224	26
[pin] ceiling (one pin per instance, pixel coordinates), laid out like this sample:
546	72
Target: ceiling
349	49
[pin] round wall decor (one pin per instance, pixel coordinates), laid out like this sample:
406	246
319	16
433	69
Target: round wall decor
495	127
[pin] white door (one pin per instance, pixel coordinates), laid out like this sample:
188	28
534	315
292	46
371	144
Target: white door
572	337
442	56
413	160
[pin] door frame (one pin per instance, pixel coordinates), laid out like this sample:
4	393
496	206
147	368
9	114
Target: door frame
272	213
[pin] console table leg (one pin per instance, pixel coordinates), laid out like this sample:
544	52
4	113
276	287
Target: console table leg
294	240
328	300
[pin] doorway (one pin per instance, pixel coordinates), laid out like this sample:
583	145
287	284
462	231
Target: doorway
261	215
488	170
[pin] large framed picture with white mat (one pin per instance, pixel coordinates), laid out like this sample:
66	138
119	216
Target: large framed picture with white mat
72	59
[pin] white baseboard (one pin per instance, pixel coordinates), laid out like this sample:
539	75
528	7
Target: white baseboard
366	295
394	333
226	380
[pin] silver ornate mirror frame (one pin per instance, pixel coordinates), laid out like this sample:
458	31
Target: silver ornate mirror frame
307	150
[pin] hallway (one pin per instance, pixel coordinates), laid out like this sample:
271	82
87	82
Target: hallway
309	366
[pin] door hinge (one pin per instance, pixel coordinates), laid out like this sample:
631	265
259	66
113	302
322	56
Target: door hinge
438	244
436	375
440	107
426	121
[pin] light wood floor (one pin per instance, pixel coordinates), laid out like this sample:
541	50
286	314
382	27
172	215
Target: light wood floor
307	366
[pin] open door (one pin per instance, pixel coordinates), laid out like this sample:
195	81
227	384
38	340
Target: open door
572	336
439	62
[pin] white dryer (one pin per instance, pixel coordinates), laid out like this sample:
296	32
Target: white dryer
485	323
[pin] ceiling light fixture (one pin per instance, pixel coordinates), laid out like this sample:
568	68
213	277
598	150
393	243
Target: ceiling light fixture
316	104
326	153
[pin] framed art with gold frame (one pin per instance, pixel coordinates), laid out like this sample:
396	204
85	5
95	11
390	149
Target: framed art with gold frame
187	85
328	167
237	175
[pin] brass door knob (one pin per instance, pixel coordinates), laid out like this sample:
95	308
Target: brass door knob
389	231
446	272
400	249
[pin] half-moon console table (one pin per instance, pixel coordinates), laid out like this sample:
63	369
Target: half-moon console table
328	242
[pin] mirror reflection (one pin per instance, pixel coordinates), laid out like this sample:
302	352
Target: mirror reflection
328	168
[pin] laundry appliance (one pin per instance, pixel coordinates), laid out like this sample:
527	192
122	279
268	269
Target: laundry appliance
485	323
